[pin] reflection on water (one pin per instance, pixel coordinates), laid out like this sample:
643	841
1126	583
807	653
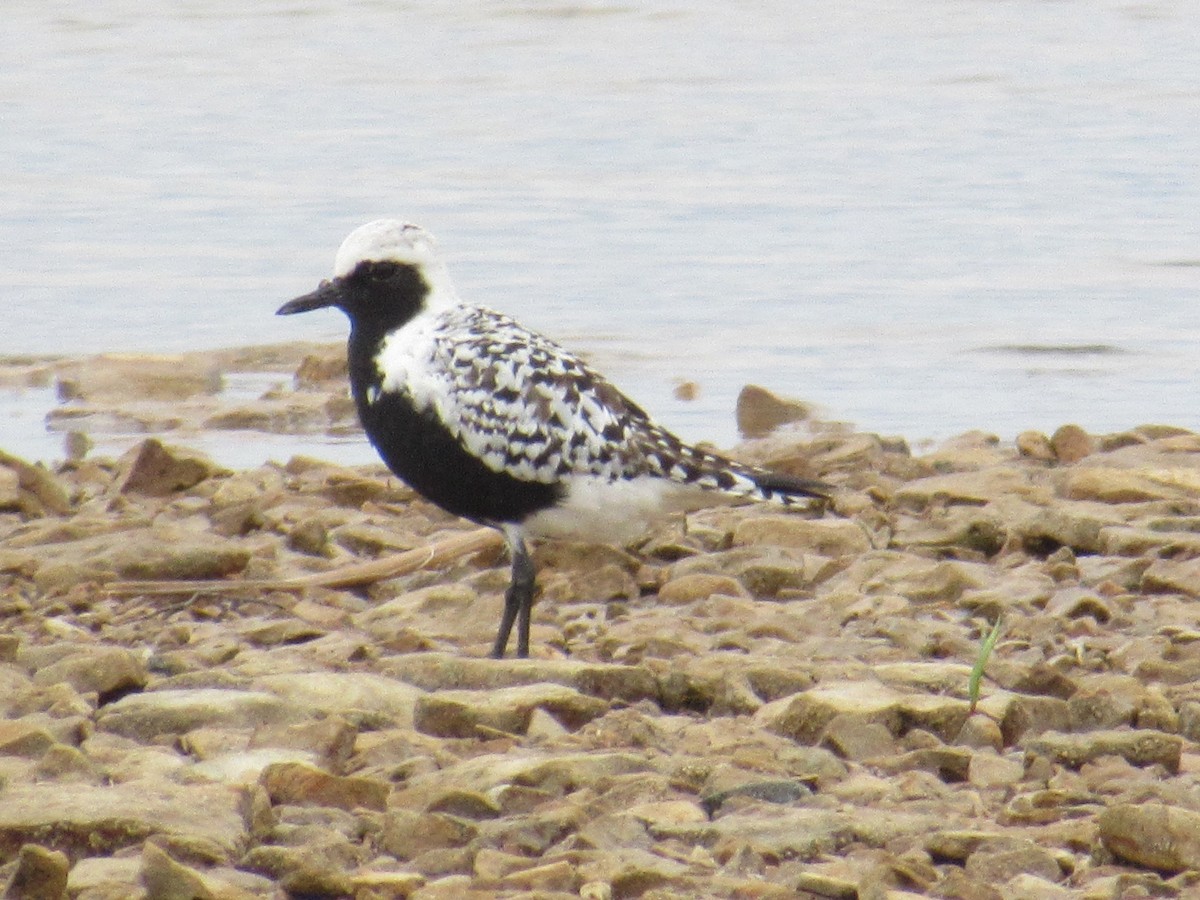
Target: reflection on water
841	203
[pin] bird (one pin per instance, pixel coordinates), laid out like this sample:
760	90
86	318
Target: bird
499	425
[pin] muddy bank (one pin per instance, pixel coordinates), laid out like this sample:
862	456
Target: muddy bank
221	682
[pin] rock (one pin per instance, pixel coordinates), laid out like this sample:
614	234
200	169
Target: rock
91	819
310	536
166	879
832	538
40	874
667	813
158	553
363	539
318	368
1169	576
316	869
407	834
1021	715
956	527
463	713
1071	444
990	771
972	488
10	489
386	885
1031	887
447	606
120	377
154	470
106	879
856	738
35	490
1076	602
348	694
764	571
759	412
1110	484
105	671
24	738
491	865
807	833
1035	445
979	731
699	586
1106	701
950	764
466	805
1119	540
247	766
298	783
147	716
821	885
805	716
294	414
995	867
559	876
1157	713
445	672
63	763
782	792
1154	835
1139	748
1081	527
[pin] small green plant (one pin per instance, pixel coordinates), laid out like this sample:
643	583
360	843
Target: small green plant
985	651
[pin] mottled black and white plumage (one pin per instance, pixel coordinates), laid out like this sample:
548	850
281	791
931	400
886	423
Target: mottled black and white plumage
499	425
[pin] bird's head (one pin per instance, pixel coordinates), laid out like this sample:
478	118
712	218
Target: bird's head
386	269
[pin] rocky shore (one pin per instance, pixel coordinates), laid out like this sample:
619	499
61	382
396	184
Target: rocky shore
271	682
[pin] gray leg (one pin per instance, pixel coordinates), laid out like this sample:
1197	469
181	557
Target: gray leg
518	599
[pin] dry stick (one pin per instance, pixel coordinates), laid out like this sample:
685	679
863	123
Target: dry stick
348	576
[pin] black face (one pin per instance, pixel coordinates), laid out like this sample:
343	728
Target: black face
384	293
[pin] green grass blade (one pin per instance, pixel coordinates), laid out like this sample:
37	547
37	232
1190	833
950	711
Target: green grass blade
985	652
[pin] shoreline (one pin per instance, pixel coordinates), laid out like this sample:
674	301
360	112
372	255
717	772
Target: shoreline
233	682
235	403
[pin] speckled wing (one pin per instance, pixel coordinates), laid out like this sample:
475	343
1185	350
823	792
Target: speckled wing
527	407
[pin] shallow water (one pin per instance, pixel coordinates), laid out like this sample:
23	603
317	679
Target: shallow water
923	217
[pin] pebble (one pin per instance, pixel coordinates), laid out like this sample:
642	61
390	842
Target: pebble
154	470
104	819
1155	835
831	538
1139	747
1071	443
507	710
147	716
39	874
301	783
759	411
684	589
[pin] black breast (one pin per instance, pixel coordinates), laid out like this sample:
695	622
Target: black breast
422	452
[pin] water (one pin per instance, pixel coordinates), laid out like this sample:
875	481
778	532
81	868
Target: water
895	210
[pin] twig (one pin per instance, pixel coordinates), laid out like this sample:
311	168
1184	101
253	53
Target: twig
348	576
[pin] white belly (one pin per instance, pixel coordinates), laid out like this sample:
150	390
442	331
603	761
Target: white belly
615	512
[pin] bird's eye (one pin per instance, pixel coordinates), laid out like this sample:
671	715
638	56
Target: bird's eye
382	271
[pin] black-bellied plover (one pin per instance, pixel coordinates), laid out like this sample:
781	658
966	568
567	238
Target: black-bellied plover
500	425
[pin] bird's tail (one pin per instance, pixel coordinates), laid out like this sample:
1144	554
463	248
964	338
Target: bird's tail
785	488
711	471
